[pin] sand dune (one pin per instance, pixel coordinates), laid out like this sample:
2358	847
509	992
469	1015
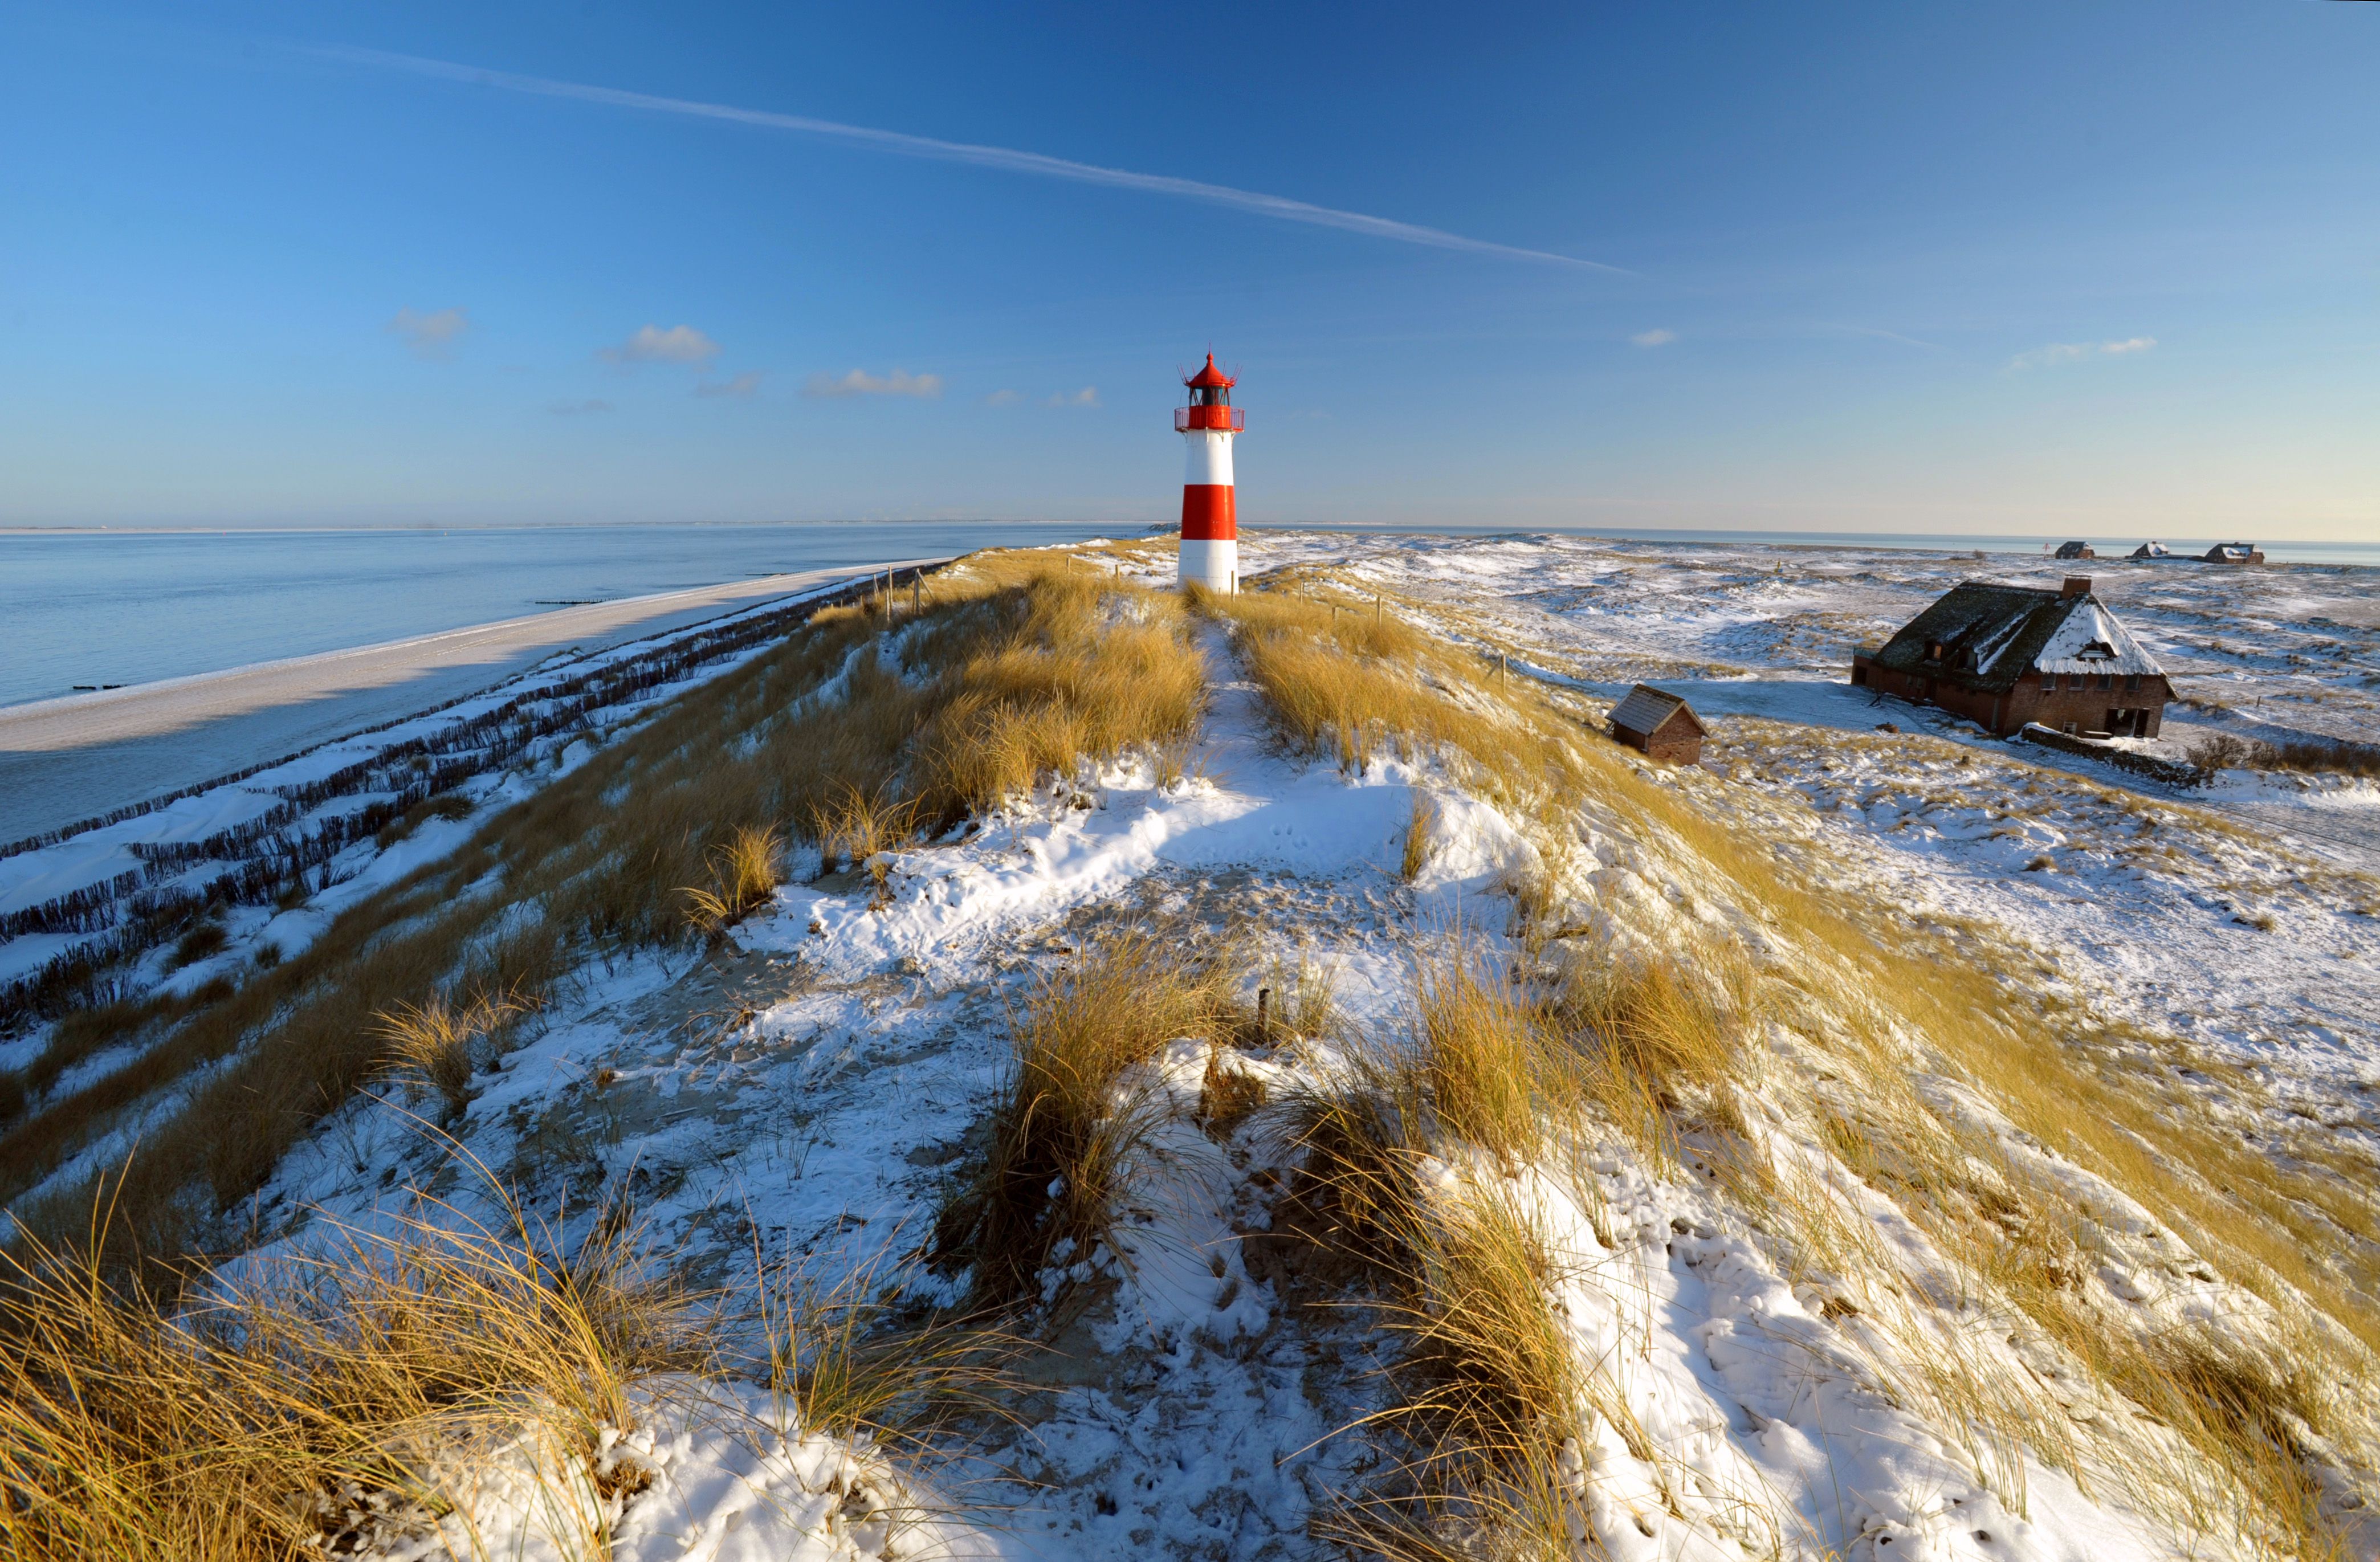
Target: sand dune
69	758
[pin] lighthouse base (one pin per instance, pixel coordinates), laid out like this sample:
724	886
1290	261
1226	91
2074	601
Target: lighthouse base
1213	562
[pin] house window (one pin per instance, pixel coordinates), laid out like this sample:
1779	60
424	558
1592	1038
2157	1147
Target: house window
2132	682
2106	682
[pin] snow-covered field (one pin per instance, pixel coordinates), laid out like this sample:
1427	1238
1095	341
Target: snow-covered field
800	1091
2245	914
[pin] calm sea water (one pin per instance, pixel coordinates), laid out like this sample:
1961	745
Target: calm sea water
121	607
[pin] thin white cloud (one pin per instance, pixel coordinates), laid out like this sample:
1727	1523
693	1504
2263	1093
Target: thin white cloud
1007	158
1888	336
1003	398
2074	352
745	385
651	344
431	335
1087	397
576	408
1660	336
859	383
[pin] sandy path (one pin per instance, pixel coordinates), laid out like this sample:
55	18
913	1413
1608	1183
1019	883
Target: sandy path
70	758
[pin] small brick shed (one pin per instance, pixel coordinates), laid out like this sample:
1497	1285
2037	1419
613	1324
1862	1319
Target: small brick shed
1661	723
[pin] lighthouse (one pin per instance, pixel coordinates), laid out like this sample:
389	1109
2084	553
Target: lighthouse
1210	534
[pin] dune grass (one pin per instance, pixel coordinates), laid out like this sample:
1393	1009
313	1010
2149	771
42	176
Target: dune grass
1349	684
1066	1127
1047	658
1660	1044
1915	1001
439	1042
743	874
262	1416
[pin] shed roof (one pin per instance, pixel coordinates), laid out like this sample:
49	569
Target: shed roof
1992	634
1646	708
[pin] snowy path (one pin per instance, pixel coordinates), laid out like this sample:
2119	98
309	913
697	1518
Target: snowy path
808	1090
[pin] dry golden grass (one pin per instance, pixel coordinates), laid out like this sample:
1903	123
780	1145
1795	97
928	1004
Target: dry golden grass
239	1426
1045	654
1660	1039
1490	1393
1914	1000
1662	1046
852	826
1348	685
846	1360
743	874
1065	1127
1482	1054
1419	831
439	1042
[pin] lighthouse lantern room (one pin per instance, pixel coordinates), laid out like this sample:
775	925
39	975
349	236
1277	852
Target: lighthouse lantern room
1210	534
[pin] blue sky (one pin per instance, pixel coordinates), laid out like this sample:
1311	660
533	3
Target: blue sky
2105	270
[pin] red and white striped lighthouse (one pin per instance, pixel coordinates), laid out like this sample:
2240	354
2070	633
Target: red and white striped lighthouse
1210	533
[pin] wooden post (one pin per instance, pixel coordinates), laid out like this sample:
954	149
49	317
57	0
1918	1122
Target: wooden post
1375	610
1264	1023
1504	671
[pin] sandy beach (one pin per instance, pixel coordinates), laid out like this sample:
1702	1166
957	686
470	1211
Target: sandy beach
67	759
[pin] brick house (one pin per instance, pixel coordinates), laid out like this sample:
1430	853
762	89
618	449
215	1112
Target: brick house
1661	723
2007	655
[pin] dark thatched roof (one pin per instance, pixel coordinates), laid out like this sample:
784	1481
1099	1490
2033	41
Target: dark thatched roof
1985	635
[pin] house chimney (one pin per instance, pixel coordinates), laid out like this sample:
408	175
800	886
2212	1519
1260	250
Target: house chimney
2076	586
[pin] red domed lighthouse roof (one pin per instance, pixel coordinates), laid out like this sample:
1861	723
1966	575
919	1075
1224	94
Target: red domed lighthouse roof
1210	378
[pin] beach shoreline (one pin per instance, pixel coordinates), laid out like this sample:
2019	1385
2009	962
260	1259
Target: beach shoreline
79	756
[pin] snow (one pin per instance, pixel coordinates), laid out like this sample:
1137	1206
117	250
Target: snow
709	1473
2091	640
801	1092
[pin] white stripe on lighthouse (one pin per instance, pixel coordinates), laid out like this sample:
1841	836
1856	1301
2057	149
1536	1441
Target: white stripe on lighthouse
1213	563
1210	458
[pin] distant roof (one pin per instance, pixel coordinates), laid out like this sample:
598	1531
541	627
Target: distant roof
1991	635
1210	378
1646	708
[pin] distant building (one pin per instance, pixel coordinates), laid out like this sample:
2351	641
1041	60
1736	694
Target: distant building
1661	723
2007	655
2233	553
2076	551
2150	551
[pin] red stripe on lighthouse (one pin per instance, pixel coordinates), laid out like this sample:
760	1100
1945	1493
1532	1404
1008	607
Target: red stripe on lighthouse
1206	514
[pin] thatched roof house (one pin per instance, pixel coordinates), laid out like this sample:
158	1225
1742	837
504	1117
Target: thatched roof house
2007	655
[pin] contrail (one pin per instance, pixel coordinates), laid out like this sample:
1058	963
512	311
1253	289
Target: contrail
1006	158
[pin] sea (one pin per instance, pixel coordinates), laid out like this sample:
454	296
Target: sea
99	608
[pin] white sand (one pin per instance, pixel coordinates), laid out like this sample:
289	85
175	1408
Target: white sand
67	759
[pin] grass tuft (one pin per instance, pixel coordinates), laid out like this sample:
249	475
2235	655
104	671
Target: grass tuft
1066	1125
259	1417
438	1044
1482	1054
743	874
